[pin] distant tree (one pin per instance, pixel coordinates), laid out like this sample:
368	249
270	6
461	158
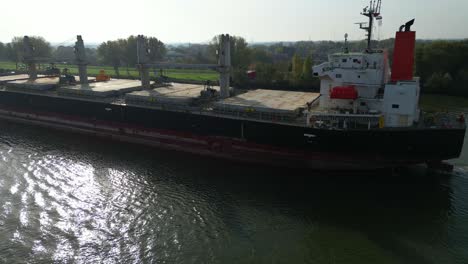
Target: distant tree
260	55
461	82
64	54
124	52
10	53
111	53
297	66
2	51
200	57
67	54
441	66
128	48
240	52
267	73
438	83
15	50
157	49
91	55
240	57
307	69
42	48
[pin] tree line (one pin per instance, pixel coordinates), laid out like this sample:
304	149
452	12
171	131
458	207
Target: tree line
443	66
13	51
123	52
116	53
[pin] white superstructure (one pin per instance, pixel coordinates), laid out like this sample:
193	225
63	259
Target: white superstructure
358	89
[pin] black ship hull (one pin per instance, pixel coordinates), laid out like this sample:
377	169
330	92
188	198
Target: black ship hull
237	139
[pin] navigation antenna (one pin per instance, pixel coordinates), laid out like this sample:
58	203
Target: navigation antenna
372	12
346	48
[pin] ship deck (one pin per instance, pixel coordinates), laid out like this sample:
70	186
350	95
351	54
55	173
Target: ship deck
42	83
272	101
176	97
10	78
113	87
172	94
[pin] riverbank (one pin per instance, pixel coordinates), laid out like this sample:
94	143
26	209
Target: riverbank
132	73
438	102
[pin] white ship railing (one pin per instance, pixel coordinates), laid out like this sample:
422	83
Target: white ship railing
344	121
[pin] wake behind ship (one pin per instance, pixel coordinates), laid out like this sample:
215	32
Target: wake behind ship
366	115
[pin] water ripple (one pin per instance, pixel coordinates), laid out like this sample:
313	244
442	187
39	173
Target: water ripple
67	198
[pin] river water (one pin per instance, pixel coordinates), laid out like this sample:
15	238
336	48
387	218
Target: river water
68	198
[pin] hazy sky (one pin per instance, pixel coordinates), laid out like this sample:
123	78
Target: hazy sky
198	21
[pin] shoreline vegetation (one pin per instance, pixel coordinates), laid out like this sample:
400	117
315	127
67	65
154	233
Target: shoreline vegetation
440	102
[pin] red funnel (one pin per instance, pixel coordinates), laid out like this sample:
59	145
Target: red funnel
403	56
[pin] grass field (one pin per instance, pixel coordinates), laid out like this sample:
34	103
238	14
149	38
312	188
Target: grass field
184	74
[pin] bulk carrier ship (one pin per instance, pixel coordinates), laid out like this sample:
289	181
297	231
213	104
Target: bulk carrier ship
366	115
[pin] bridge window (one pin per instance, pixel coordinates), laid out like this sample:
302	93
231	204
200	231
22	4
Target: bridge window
395	106
338	76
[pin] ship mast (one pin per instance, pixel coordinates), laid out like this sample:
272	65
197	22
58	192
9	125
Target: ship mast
372	12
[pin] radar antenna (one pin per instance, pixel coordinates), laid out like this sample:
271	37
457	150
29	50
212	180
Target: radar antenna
372	12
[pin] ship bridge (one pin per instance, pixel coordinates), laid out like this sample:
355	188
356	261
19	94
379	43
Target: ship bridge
357	85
